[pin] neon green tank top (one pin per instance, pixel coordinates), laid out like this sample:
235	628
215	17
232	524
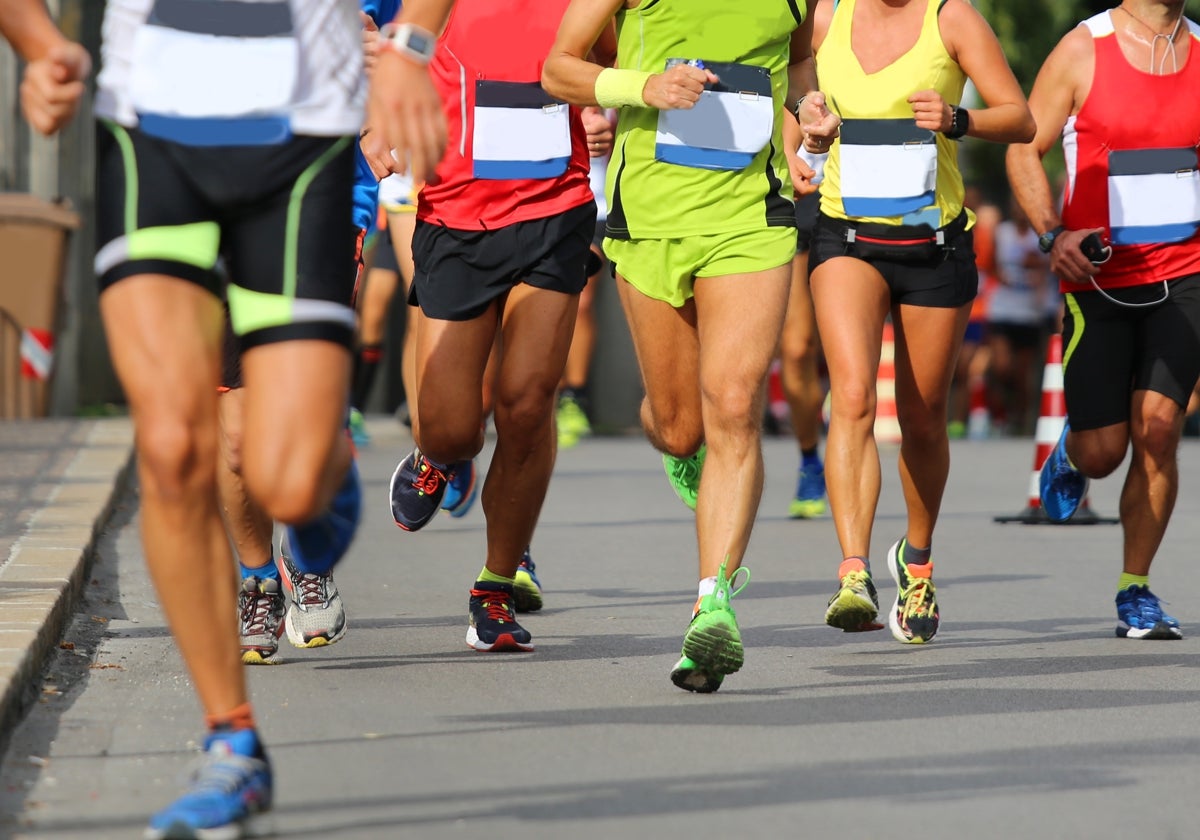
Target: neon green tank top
706	170
883	168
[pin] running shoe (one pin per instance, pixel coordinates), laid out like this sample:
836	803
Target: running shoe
493	622
358	429
914	617
572	422
1140	616
260	617
1062	487
316	547
810	493
712	646
417	490
527	589
228	792
315	616
460	489
684	474
854	608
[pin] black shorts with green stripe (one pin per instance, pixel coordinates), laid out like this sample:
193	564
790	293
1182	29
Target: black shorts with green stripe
279	217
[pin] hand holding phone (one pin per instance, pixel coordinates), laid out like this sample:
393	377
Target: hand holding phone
1095	250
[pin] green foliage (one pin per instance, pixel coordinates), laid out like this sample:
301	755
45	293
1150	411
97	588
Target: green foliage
1028	30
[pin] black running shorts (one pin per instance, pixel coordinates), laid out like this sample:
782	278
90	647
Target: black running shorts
460	272
280	216
1110	351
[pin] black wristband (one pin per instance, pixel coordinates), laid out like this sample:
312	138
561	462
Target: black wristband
959	123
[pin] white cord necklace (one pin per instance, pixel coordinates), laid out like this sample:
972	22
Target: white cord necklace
1169	39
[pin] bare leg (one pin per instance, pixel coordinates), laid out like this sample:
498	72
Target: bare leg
249	527
799	351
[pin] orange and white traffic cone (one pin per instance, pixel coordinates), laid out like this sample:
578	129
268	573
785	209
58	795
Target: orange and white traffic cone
887	422
1051	419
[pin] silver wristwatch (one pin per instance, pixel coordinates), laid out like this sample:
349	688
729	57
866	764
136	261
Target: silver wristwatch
410	41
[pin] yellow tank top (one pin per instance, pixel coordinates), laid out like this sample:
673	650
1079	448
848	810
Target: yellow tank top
883	168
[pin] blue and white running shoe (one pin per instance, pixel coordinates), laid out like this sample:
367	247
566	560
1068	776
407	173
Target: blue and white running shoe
1062	487
1140	616
315	547
460	489
229	792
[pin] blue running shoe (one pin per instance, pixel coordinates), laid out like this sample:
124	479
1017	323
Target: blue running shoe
527	589
1140	616
493	621
810	493
1061	486
229	791
315	547
460	489
417	490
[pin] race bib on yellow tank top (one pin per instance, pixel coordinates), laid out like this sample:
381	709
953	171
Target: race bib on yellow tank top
888	167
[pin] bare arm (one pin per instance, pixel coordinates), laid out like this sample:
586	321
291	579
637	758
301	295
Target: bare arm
972	43
567	73
819	126
1060	88
403	103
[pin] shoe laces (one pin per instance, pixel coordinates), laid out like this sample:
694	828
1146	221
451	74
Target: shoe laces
311	589
220	773
1146	603
918	597
725	590
856	580
685	470
498	605
256	611
429	477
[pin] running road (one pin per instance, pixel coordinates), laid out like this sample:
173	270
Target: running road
1025	718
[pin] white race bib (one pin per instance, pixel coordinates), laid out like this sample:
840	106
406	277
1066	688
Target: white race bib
520	132
731	123
888	167
201	67
1153	195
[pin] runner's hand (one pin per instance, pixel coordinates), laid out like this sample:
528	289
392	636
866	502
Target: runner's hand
1067	259
802	175
820	125
53	86
370	39
931	111
406	109
599	131
677	88
378	154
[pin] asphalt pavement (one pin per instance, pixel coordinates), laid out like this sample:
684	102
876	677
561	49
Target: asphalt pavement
1026	717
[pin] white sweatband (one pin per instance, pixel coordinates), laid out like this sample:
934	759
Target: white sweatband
616	88
816	162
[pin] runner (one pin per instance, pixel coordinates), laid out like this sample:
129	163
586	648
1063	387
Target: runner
701	228
500	249
261	174
1126	250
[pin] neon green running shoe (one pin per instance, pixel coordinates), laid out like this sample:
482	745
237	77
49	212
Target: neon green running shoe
854	608
684	474
358	429
712	646
572	422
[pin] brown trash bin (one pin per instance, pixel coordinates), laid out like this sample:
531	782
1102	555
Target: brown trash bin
34	235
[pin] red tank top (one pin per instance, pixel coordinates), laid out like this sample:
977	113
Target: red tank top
513	154
1137	176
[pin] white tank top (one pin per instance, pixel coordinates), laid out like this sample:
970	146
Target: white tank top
160	56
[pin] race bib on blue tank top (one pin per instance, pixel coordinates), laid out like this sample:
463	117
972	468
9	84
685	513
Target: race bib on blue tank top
887	167
216	72
520	132
1153	195
730	124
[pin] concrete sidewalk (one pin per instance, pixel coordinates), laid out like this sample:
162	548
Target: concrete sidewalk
58	481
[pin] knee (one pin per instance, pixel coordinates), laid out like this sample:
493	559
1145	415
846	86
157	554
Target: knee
525	412
447	439
921	422
1157	438
177	458
732	407
798	351
852	403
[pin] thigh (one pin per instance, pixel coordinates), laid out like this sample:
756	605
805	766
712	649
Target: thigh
927	341
1099	353
1170	337
852	300
150	217
292	253
535	335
